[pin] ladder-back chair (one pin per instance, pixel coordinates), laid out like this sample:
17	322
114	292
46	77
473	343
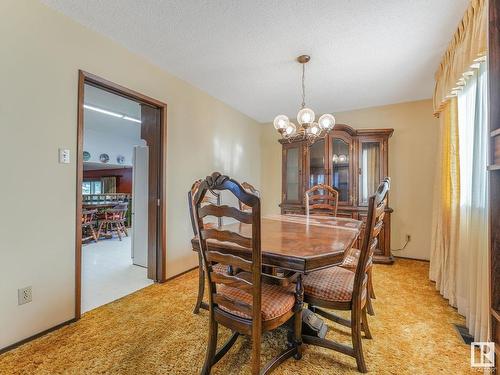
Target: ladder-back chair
337	288
351	261
321	199
209	198
88	225
241	302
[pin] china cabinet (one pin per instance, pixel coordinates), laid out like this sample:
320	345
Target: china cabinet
352	161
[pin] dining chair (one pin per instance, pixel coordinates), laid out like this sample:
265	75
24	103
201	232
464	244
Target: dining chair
351	261
337	288
88	225
113	220
321	199
250	189
241	302
209	198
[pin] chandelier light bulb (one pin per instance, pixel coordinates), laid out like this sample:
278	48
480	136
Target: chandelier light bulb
326	122
305	116
281	122
314	129
290	129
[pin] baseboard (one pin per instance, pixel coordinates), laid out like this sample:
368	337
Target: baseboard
39	334
420	260
182	273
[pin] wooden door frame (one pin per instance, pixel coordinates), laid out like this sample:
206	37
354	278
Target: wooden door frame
83	78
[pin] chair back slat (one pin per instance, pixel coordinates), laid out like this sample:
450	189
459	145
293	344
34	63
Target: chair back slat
232	281
321	199
236	261
226	236
249	188
374	224
225	211
251	284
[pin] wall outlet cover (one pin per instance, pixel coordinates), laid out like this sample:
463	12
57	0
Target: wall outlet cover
24	295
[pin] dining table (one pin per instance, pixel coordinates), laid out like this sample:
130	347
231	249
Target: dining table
297	243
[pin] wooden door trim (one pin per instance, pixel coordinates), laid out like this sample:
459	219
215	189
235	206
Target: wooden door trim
94	80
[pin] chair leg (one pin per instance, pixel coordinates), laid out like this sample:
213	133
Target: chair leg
201	285
212	346
92	230
356	340
370	284
124	227
364	321
297	332
256	342
369	306
99	230
118	231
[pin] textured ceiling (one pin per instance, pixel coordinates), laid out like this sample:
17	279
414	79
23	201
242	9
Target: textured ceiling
364	53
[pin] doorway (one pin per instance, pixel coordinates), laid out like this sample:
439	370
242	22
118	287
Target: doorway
121	190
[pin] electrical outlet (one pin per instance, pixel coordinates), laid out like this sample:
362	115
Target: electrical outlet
24	295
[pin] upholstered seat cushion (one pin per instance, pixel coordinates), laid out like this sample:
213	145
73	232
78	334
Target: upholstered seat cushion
276	300
351	259
220	268
334	284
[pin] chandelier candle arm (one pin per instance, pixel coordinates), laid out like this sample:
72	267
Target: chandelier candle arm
308	129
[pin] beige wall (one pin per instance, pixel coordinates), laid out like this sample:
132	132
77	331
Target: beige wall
412	156
41	53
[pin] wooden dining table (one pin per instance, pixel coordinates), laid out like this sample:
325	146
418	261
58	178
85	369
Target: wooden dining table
297	243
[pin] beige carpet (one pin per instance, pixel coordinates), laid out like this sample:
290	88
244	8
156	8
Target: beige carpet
153	331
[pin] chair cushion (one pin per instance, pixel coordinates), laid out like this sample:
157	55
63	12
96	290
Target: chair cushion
334	284
351	259
220	268
276	300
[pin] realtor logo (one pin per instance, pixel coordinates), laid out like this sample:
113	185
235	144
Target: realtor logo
485	358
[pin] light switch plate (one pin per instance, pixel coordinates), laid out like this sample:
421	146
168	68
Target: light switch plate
64	156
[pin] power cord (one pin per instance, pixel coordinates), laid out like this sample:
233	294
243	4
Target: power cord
408	238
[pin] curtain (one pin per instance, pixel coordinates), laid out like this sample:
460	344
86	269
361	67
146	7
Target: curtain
108	184
446	205
472	266
469	43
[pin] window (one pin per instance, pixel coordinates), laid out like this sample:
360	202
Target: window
91	187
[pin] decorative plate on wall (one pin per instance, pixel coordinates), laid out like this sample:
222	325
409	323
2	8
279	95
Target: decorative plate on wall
120	159
104	158
86	156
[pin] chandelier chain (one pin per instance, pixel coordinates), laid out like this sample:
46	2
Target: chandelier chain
303	86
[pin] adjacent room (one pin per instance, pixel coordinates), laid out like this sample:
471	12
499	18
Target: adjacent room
250	187
114	199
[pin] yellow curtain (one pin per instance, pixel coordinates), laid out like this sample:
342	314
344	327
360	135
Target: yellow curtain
446	206
469	43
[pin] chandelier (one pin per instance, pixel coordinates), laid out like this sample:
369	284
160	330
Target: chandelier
307	129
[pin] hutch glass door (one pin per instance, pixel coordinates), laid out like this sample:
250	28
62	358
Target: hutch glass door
369	169
292	173
317	166
341	159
